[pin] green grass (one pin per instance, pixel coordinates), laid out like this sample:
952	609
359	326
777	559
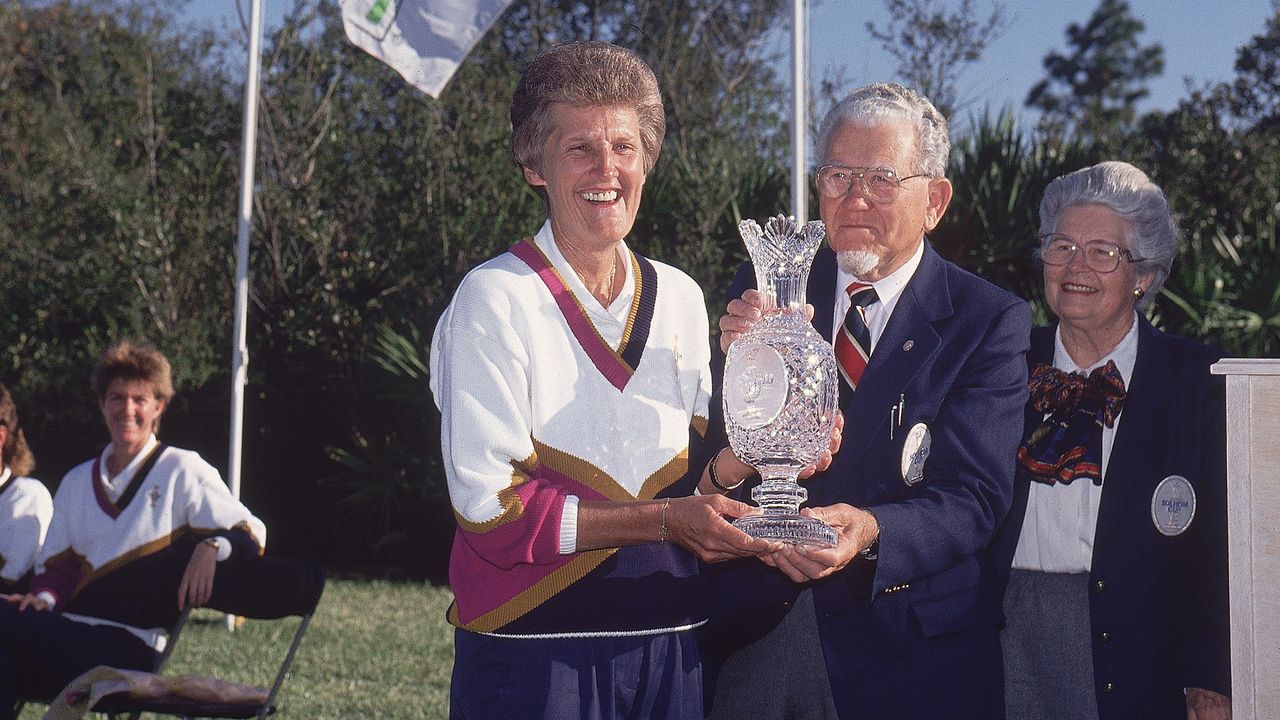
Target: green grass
375	649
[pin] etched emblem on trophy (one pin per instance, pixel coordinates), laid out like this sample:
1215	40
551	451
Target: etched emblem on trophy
781	384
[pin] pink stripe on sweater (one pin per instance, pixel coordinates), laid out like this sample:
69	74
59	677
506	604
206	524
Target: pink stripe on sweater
489	569
602	356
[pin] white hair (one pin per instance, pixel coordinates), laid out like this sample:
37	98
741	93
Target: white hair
888	102
1129	193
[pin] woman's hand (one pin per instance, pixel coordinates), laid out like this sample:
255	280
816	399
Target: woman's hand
855	530
197	580
697	523
1207	705
26	601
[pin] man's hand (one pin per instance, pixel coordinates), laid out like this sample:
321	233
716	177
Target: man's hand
855	529
1207	705
824	460
197	580
742	314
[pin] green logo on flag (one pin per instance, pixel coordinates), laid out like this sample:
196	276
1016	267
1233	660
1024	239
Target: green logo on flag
377	11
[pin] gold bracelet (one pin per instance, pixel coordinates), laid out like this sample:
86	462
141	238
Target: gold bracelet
715	481
662	528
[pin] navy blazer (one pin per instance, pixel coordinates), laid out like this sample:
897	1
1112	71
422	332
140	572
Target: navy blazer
913	634
1158	605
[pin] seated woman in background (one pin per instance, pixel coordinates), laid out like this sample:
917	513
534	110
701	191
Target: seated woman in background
25	505
136	536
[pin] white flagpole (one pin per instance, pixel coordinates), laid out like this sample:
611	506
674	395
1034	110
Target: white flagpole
240	347
799	120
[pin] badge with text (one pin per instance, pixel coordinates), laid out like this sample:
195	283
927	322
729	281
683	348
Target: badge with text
915	450
1173	505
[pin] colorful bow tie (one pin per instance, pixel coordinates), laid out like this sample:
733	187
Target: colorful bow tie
1068	444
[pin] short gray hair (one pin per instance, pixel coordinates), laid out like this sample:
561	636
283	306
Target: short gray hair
1129	193
889	102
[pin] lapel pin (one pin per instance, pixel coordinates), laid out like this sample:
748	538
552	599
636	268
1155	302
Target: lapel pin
906	346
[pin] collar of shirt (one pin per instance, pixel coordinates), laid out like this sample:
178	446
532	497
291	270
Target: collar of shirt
1125	354
5	472
619	310
115	486
888	289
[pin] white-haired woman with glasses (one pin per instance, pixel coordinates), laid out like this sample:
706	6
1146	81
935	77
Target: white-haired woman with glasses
1117	598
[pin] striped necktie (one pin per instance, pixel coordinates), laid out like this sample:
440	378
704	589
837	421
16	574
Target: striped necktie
853	342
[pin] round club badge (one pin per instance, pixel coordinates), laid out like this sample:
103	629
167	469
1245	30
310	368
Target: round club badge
915	450
1173	505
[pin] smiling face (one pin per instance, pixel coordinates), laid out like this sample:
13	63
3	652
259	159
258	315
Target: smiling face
593	172
885	234
1085	299
131	409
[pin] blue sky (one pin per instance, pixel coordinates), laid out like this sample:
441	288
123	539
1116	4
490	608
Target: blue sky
1200	40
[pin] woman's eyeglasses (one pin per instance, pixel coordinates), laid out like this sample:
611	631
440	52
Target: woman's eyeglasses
1099	255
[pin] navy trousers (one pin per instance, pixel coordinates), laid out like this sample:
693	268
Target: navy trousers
41	652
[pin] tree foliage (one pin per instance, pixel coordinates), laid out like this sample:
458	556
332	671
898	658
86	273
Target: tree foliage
1093	91
1217	156
114	170
934	42
1255	92
999	175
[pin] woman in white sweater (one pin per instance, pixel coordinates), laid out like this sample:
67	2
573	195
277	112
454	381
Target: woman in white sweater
137	534
573	380
25	505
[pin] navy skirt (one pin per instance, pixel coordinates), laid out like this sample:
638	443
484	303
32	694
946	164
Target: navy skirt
596	678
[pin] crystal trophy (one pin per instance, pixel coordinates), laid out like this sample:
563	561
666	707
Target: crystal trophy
781	384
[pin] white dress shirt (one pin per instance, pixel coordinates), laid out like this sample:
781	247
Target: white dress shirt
888	290
1059	526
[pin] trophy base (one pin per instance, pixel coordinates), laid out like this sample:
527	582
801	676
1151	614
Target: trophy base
791	529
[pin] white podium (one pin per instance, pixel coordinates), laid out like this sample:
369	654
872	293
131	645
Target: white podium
1253	519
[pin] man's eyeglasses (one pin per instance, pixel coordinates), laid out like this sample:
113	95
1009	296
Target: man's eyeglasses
1099	255
878	184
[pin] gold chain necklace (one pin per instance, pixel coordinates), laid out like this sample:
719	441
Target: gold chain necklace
613	275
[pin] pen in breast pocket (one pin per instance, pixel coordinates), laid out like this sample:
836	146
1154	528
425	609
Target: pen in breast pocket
895	414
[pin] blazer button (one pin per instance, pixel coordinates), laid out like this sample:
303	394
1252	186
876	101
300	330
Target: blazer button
1109	687
1105	637
1100	586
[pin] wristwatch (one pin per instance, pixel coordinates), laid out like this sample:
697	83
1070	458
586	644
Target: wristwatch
872	551
221	546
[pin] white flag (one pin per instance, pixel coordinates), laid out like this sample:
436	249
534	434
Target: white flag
424	40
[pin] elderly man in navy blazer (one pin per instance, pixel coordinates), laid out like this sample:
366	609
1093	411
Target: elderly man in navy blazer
901	619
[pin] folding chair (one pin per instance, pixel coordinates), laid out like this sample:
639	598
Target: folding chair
266	588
